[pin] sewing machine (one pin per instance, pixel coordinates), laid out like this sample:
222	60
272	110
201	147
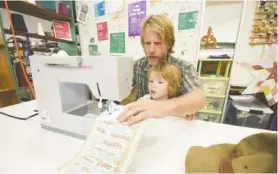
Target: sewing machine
63	84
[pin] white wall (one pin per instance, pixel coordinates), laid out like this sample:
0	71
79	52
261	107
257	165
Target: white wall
223	17
225	32
133	47
244	52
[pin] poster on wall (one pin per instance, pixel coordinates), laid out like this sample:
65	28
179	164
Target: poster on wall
117	42
136	13
93	49
82	13
187	20
102	31
99	8
62	30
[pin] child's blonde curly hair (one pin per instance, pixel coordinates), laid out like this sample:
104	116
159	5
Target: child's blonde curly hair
171	73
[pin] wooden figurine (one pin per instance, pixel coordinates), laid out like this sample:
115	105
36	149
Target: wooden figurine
209	41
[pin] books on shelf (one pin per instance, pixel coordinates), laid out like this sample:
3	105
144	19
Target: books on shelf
62	30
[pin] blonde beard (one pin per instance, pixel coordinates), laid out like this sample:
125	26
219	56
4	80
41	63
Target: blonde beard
158	60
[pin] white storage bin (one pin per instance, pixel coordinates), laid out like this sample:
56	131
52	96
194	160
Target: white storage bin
252	119
214	103
212	117
214	86
250	112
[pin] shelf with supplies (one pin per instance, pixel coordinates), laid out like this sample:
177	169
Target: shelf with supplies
214	75
33	49
264	29
36	36
214	69
220	46
210	111
42	41
34	10
209	116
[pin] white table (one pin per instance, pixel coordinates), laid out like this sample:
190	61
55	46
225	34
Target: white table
26	148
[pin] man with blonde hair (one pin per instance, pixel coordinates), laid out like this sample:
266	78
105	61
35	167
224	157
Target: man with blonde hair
157	40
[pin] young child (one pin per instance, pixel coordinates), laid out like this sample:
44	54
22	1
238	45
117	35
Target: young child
164	82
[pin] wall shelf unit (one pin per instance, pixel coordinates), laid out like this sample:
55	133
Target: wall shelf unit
8	95
214	75
34	10
36	36
44	50
16	73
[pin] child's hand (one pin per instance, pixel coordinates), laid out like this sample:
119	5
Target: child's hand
142	110
189	117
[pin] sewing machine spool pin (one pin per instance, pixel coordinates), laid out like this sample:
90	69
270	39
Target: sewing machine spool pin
100	98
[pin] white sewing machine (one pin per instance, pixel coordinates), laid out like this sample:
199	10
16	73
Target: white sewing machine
62	86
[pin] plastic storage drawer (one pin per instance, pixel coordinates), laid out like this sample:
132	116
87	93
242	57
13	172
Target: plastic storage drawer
212	117
214	103
214	86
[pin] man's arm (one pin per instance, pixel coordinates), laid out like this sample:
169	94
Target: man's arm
132	97
143	109
186	104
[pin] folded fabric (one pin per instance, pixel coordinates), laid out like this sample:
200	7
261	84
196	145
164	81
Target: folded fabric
256	153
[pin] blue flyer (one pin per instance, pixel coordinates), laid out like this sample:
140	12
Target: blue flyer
99	9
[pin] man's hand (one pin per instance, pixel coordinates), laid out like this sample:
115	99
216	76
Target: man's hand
141	110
